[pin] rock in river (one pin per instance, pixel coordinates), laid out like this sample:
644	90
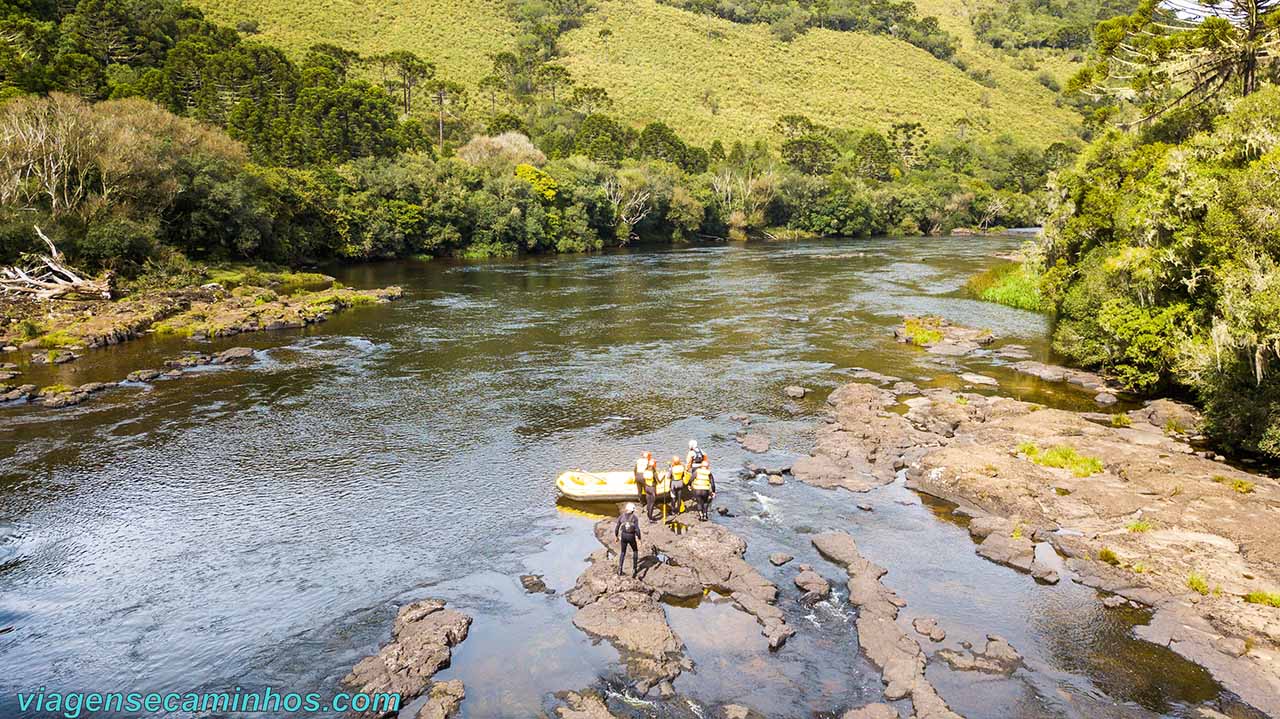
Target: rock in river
796	391
814	586
422	641
898	656
778	559
871	711
754	442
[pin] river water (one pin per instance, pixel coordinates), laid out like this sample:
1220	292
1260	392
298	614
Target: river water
259	525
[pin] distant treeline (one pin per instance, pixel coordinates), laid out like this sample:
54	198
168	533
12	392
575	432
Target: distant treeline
140	135
789	18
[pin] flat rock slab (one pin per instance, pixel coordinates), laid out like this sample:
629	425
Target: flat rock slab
979	379
998	657
422	641
871	711
586	705
886	645
938	336
755	442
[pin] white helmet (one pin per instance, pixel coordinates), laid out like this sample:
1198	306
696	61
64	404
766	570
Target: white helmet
693	444
630	507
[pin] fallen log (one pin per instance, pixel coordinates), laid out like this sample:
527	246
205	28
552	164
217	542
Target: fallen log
47	277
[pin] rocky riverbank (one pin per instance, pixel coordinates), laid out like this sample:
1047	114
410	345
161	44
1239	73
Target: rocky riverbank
1120	503
57	333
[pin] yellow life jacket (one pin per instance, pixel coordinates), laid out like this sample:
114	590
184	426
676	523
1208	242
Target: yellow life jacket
664	483
677	472
702	480
646	472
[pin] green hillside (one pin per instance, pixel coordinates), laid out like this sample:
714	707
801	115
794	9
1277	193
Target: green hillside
457	35
706	77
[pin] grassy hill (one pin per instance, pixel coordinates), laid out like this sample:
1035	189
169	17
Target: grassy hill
457	35
708	78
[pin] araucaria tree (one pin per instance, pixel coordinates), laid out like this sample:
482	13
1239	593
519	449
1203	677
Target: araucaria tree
1171	54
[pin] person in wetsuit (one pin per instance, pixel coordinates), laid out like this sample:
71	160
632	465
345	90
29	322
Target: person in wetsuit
627	531
679	480
704	488
647	482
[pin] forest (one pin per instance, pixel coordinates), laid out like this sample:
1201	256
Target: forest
342	156
1160	254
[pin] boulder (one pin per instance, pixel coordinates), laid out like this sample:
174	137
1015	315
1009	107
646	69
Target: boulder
422	641
796	392
1003	548
928	627
1105	399
144	375
534	584
235	354
979	379
1046	565
443	700
14	394
813	584
776	480
778	559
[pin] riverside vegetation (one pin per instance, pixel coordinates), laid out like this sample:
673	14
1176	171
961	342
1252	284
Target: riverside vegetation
1159	254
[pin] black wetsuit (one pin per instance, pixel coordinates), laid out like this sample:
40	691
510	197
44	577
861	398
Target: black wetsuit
627	529
704	497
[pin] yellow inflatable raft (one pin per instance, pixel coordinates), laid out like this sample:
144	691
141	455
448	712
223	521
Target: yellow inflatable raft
604	486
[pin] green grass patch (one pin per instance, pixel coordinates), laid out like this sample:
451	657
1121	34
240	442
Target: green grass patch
1139	568
1242	486
29	330
1267	599
56	389
1140	526
1062	457
283	282
1106	555
922	331
1121	420
1198	584
58	340
1012	284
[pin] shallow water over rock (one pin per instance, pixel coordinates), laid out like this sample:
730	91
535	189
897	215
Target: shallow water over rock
259	525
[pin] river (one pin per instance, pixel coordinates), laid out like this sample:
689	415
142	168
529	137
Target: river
259	525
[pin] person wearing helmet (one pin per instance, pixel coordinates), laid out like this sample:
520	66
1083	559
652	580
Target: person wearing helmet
703	485
627	531
679	480
694	458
